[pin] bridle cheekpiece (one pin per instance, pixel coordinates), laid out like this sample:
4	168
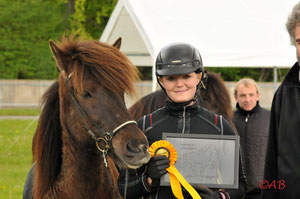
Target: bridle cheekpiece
107	135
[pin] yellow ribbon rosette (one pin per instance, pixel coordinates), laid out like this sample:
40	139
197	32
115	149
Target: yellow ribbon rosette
163	147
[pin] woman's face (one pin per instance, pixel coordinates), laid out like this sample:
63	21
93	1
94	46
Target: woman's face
181	88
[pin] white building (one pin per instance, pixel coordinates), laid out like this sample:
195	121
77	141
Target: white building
231	33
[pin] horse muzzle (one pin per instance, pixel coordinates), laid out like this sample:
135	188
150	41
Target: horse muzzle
132	152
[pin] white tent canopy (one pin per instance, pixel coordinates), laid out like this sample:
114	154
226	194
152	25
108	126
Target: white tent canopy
231	33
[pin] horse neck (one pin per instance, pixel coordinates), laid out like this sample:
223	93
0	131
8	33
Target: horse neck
83	172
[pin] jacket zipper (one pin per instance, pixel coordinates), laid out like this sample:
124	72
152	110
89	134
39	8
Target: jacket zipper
183	115
247	118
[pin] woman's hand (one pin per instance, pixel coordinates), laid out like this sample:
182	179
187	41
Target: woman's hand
156	168
207	193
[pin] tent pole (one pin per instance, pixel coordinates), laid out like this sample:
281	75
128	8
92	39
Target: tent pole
275	79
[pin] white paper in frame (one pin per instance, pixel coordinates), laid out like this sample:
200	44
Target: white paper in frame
209	160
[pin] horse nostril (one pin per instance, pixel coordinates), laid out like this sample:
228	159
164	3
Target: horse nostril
132	149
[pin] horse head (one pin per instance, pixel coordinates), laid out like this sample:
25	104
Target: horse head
93	79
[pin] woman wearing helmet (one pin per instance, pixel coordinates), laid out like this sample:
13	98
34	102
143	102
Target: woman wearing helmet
179	71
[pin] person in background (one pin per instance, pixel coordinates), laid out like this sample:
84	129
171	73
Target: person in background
179	71
252	124
282	165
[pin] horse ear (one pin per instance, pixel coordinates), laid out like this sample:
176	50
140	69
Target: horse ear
57	53
118	43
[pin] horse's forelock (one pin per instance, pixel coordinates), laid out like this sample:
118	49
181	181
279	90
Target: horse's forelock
101	62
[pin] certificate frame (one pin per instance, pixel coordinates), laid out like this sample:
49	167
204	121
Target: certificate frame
209	160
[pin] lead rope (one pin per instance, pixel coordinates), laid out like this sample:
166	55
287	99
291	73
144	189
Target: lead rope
126	184
111	183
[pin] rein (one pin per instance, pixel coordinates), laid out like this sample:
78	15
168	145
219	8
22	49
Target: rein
107	136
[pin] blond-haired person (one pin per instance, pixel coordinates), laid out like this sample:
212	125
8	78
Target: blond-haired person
252	123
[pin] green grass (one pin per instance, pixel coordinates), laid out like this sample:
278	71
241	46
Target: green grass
20	111
15	156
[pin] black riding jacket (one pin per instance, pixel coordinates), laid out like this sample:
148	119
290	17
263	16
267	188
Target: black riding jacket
253	129
282	166
175	119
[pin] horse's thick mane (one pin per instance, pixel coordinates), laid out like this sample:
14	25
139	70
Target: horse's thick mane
215	96
148	104
47	142
99	61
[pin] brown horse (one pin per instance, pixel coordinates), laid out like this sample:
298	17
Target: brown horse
84	127
212	95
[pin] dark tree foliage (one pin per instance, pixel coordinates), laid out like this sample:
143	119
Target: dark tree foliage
97	15
258	74
26	27
90	16
233	74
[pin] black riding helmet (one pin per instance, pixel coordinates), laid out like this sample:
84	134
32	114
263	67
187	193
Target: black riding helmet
178	59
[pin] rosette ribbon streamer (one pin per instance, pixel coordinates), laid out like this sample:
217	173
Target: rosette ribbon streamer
163	147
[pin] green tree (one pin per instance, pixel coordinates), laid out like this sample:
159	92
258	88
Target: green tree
90	17
26	27
258	74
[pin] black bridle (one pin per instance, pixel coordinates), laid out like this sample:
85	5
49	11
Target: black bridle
107	136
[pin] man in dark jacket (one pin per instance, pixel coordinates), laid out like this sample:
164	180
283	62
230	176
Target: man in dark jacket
252	124
282	166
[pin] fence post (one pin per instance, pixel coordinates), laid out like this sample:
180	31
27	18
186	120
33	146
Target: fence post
1	97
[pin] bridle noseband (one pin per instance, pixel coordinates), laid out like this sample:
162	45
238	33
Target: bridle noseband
107	136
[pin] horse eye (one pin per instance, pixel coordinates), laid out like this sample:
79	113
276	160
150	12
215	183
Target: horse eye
86	94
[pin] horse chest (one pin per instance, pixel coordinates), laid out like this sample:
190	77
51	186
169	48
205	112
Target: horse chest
74	183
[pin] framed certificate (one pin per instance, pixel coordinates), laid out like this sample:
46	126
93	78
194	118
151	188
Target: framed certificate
209	160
